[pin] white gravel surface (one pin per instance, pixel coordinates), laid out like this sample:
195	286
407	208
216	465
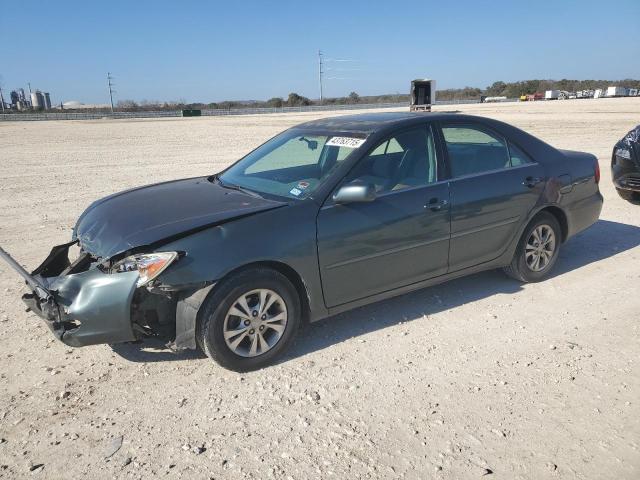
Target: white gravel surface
477	377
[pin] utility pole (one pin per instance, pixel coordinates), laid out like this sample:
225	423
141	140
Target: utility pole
320	72
109	78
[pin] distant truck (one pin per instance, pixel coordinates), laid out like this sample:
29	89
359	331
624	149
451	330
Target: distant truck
585	93
423	95
552	94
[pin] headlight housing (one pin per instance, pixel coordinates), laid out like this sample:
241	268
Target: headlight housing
148	265
623	153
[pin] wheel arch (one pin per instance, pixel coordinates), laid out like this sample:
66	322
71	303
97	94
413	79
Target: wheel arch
294	277
288	271
560	216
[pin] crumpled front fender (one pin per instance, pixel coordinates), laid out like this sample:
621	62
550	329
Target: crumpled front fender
99	302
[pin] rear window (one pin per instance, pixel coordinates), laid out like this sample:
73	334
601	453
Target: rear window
468	135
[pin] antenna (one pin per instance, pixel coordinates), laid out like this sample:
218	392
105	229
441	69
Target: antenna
320	72
110	83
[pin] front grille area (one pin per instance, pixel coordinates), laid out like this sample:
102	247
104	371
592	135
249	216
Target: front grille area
633	182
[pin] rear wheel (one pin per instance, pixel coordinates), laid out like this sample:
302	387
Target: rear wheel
249	319
537	249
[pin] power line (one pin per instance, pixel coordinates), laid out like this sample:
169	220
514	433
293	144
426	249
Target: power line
337	71
109	78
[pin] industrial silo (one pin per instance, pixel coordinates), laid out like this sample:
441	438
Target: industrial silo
37	100
47	101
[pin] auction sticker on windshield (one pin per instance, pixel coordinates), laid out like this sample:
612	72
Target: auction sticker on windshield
349	142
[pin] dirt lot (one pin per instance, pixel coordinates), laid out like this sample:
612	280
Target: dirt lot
479	376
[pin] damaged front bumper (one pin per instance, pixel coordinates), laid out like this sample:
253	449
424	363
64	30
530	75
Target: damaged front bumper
81	304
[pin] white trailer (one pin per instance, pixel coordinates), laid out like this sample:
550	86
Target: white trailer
423	95
616	92
495	99
551	94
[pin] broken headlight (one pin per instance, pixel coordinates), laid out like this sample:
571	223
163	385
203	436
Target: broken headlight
148	265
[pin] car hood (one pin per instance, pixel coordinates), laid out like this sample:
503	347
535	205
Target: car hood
631	141
164	211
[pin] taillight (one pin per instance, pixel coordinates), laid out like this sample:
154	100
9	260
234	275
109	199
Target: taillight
597	171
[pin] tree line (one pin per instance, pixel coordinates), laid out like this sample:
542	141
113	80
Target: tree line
293	100
496	89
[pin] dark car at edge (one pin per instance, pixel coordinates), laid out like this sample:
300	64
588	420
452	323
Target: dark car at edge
625	166
325	217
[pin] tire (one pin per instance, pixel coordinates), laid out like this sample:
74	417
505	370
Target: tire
520	268
628	195
218	315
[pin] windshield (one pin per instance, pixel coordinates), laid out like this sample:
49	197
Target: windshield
291	165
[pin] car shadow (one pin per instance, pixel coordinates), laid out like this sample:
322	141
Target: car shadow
404	308
154	350
602	240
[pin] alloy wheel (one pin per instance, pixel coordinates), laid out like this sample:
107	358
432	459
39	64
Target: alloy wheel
255	322
540	248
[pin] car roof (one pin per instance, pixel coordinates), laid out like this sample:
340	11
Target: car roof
380	121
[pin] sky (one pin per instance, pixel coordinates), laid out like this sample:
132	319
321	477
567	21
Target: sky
239	50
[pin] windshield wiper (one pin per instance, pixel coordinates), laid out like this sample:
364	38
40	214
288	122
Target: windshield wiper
238	188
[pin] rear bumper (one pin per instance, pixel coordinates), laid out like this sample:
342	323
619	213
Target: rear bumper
85	308
584	213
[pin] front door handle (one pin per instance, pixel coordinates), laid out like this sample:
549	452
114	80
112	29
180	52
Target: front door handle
532	181
434	204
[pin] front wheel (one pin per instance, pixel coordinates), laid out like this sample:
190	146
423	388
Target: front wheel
537	249
249	319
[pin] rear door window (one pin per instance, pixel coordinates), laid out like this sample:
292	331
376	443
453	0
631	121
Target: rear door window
473	150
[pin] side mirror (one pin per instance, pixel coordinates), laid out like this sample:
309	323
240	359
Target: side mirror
355	192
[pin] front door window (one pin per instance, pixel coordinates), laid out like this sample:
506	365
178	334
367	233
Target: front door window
405	160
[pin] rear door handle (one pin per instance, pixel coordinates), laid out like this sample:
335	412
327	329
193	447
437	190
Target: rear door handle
434	204
532	181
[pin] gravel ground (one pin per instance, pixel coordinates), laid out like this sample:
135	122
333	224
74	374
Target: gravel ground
478	377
